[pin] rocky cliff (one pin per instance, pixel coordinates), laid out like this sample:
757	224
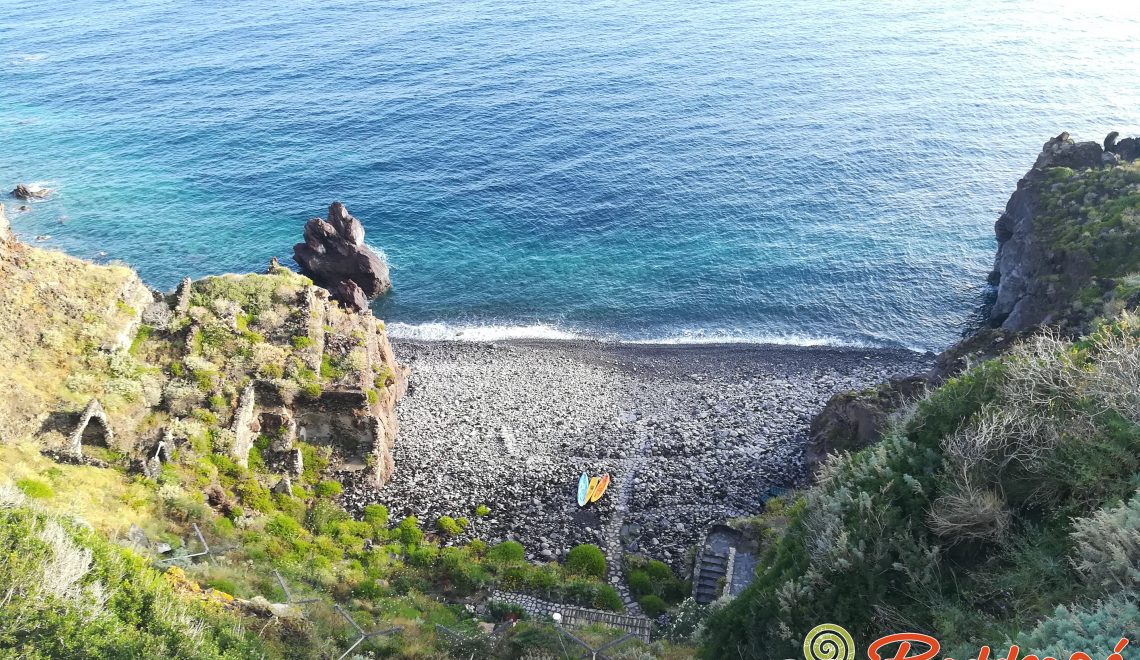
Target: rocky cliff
1068	255
260	368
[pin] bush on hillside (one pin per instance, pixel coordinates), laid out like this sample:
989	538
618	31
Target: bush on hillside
997	477
71	594
587	560
448	526
1108	547
505	552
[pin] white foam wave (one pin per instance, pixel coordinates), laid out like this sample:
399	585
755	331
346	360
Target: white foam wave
698	337
447	332
492	332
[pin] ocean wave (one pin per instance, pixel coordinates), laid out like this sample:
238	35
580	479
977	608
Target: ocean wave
491	332
447	332
699	337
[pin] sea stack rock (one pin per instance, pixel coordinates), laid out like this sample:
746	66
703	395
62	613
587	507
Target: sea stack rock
335	256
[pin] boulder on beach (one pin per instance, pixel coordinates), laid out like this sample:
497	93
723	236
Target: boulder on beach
334	253
29	192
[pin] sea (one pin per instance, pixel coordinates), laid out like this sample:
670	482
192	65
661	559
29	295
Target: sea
666	171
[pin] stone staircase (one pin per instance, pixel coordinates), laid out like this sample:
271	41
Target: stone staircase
712	568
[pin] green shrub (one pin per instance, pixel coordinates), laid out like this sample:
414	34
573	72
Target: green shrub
107	604
283	526
1108	547
501	611
482	510
640	583
377	516
224	585
35	488
586	559
652	605
608	598
271	370
409	532
204	379
254	495
477	547
448	526
301	342
217	402
328	488
463	522
331	369
205	416
310	391
323	517
1085	629
423	556
659	571
506	552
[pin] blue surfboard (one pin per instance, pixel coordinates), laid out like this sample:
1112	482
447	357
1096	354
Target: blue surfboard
583	488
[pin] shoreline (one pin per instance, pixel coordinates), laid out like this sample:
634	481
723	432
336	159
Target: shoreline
492	334
692	435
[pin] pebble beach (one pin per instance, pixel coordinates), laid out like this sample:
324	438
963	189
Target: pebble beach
691	435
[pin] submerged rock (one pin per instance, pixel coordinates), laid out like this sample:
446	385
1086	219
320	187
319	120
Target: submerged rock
26	192
334	252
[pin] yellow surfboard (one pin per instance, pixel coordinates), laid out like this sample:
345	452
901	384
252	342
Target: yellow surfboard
603	484
590	491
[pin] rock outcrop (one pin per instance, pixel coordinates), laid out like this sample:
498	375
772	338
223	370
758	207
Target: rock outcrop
335	256
1028	274
30	192
1060	256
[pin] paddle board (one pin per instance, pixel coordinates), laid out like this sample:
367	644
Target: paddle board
591	489
600	490
583	487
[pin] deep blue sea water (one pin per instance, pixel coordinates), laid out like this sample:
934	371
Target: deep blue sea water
775	170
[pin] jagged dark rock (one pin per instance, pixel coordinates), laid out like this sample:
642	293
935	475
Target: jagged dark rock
350	295
26	192
334	251
1128	149
1110	141
1035	283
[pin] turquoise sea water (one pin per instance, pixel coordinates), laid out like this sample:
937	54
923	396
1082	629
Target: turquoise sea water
777	170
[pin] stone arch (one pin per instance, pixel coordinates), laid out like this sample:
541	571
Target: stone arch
93	429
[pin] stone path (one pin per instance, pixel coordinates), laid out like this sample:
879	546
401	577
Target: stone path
574	616
613	536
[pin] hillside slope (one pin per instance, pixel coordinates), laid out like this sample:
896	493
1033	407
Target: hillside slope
1003	507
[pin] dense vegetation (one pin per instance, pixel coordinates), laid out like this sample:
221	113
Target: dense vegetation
1001	508
68	593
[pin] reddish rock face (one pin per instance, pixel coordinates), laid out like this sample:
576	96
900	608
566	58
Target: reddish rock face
350	295
334	253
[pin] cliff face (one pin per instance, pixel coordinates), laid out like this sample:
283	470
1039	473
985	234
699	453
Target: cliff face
1040	275
1068	254
261	368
